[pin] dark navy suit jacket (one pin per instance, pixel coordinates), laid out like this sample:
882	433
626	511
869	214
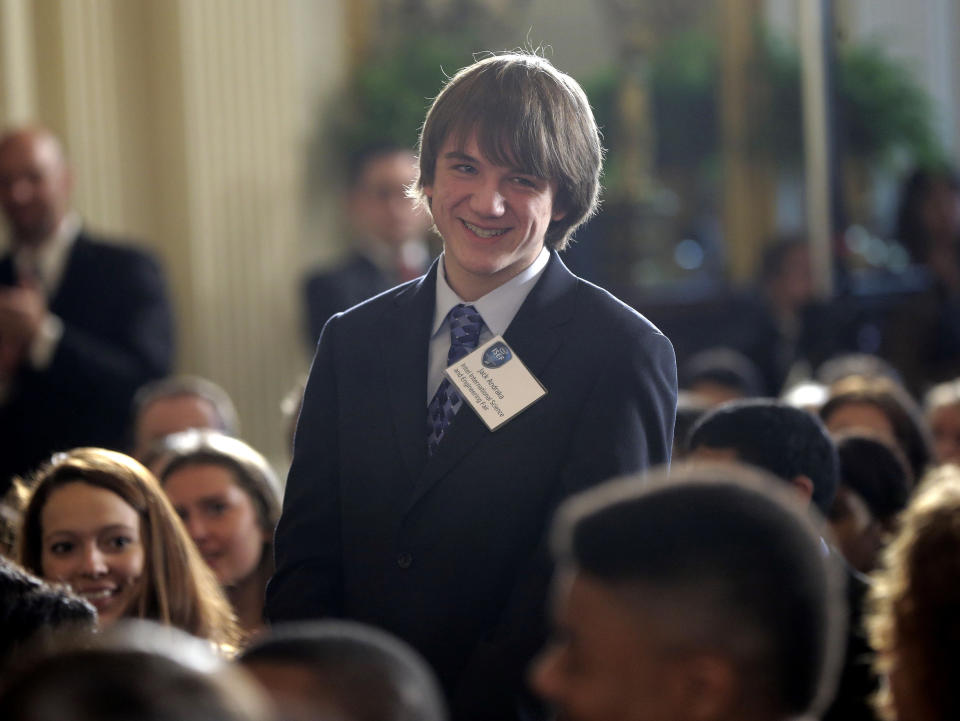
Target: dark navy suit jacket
332	291
447	552
118	334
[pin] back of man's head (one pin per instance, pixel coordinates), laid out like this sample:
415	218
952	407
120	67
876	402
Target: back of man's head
33	612
725	589
345	671
722	374
788	442
178	403
137	670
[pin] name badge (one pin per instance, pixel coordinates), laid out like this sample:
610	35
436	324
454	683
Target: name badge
495	383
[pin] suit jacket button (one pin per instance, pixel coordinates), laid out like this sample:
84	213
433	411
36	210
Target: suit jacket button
404	560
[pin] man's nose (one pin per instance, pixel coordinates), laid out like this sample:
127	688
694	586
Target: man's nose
488	201
22	191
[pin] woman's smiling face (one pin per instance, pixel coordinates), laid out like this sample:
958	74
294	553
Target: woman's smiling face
91	540
220	518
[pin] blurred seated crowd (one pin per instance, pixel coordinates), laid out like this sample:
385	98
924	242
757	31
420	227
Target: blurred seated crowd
801	558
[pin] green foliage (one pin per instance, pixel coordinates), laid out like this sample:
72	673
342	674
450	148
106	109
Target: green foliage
685	103
778	115
883	108
388	96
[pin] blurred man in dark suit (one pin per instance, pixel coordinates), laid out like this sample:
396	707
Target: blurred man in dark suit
389	235
83	323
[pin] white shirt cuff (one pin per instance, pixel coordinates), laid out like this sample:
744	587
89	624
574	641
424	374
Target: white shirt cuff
45	343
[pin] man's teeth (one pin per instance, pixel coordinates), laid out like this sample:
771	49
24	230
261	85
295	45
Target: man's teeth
483	233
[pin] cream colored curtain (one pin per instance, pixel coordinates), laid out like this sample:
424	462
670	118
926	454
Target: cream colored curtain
185	121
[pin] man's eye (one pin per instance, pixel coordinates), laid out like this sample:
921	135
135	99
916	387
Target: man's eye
61	547
526	182
464	168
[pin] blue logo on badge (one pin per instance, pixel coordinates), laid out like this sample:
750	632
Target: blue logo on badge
496	355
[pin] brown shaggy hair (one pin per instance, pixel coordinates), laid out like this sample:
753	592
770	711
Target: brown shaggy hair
527	114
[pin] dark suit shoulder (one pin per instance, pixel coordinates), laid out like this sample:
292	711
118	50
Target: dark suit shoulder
353	266
94	261
372	309
607	313
332	290
110	249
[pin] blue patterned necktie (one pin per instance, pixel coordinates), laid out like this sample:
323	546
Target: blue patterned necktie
465	327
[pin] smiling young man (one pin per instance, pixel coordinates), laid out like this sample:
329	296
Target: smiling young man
404	508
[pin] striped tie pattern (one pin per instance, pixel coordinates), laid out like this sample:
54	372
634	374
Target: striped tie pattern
465	327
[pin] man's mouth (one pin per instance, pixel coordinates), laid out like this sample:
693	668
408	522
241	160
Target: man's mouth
484	232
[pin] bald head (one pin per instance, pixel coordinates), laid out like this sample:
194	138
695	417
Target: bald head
35	184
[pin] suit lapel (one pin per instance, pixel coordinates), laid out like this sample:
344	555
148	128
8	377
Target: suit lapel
76	279
534	336
6	270
404	346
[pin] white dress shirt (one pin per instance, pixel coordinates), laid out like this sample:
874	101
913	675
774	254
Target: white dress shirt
497	308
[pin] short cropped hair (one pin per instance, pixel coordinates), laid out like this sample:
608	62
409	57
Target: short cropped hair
738	561
724	366
839	367
30	606
367	673
187	385
782	440
359	159
877	470
527	114
105	680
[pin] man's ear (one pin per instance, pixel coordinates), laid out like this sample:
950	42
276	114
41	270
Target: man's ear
559	213
804	486
709	687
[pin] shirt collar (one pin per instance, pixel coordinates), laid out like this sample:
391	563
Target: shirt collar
499	306
49	258
413	252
